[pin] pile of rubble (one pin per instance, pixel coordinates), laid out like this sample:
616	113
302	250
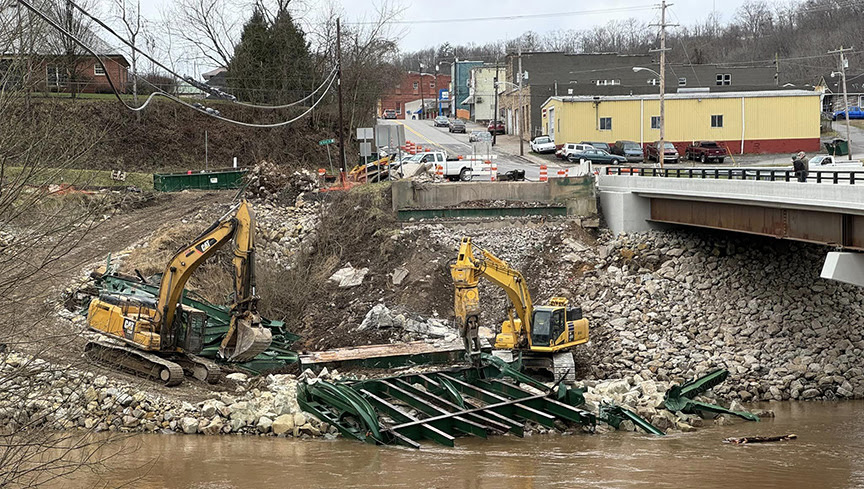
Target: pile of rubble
40	394
268	180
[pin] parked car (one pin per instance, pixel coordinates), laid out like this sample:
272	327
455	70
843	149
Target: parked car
389	114
854	113
670	154
571	148
705	150
597	145
441	121
542	144
477	136
628	149
597	156
457	126
496	127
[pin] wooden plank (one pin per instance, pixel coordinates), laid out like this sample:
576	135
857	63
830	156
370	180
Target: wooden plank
365	352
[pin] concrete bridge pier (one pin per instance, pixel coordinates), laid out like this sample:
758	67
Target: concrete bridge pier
844	267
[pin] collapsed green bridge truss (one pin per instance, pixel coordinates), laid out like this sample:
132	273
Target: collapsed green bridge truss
437	406
493	399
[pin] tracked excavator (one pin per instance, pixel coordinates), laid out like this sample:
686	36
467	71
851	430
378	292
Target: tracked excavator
159	337
543	336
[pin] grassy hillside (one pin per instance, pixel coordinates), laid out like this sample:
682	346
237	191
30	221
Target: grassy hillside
170	137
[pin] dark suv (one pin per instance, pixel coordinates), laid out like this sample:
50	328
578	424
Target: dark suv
628	149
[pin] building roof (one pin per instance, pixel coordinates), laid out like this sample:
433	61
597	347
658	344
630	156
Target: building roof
687	96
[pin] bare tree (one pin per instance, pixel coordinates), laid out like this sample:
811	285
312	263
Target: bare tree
128	13
68	68
209	27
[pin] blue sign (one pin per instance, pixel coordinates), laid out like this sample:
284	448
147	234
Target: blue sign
443	94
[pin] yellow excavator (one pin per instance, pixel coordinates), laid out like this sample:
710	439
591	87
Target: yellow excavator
159	337
543	335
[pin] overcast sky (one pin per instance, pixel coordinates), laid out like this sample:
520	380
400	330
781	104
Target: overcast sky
543	17
419	36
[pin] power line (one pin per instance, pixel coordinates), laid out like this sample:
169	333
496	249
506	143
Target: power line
190	80
512	17
201	109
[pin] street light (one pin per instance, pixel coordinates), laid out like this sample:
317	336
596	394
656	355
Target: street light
661	151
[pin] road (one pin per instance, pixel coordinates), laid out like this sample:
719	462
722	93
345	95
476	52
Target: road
424	133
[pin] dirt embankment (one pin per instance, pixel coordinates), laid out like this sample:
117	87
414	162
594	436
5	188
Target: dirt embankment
170	137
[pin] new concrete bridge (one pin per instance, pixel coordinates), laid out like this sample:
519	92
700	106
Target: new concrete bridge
828	209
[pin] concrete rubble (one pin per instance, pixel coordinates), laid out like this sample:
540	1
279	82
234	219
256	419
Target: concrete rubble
349	276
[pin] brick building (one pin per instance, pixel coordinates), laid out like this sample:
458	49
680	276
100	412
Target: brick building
416	89
54	74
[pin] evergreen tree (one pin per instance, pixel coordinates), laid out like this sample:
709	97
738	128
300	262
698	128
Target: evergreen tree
271	63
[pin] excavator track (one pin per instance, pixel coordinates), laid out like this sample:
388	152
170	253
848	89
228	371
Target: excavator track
142	363
200	368
564	367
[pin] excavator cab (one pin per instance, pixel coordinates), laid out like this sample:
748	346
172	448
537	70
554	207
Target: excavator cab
548	323
193	323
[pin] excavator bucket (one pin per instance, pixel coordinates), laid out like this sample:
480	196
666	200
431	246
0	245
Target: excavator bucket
246	338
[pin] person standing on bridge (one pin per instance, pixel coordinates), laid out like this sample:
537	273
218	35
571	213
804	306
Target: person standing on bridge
799	165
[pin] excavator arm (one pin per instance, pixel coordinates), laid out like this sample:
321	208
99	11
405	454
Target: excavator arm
466	273
238	224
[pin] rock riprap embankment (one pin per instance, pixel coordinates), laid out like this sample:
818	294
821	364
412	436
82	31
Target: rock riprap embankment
40	394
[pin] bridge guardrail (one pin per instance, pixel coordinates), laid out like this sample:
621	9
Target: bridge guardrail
760	174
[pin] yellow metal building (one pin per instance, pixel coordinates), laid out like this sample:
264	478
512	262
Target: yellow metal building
779	121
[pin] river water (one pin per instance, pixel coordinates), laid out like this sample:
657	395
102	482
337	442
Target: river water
829	453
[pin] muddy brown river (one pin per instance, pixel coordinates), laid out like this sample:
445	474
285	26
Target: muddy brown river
829	453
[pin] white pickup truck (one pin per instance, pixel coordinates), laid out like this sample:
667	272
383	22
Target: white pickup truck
829	163
467	169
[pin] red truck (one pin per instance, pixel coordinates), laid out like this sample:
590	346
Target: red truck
706	150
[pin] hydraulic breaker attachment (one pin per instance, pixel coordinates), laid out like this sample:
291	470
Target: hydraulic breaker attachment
613	415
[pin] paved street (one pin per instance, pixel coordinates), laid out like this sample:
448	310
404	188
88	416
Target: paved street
507	157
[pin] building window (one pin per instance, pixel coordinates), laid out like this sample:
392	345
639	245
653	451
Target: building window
724	79
682	82
605	123
716	121
416	86
398	107
655	122
98	70
432	85
600	83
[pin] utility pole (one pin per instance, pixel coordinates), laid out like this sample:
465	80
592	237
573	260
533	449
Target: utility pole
339	90
422	100
661	151
776	69
520	113
845	93
495	112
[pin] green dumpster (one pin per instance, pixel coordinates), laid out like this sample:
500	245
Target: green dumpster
231	178
838	147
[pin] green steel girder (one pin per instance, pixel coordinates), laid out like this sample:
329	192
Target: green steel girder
696	407
680	398
414	429
489	424
698	386
507	407
342	401
613	415
451	421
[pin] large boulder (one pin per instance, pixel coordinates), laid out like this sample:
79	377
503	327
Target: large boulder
283	424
